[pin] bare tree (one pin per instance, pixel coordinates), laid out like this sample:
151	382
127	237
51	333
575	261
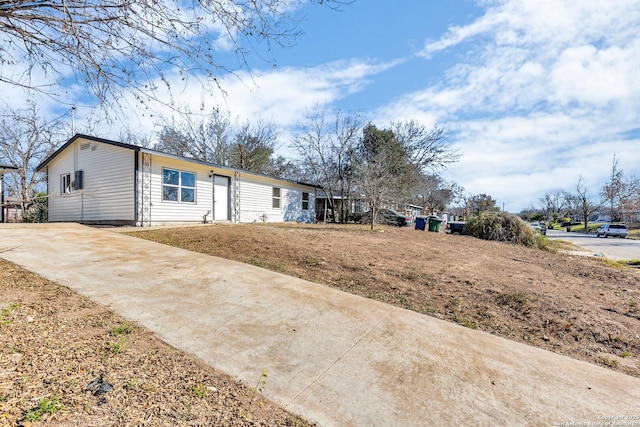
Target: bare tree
135	45
389	162
207	138
554	204
584	201
285	168
427	149
26	140
436	194
620	192
325	147
128	137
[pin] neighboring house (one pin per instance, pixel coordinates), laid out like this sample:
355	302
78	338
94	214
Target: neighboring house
600	217
414	210
98	181
351	205
3	205
12	211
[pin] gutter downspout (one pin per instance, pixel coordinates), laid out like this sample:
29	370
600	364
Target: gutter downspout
1	198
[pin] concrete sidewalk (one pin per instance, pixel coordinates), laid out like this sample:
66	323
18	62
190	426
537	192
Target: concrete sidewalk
332	357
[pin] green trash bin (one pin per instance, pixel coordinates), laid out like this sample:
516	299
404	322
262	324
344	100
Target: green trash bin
434	224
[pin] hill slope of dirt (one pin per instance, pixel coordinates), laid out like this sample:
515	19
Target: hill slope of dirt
580	307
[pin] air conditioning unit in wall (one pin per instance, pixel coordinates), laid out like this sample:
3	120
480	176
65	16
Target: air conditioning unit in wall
78	183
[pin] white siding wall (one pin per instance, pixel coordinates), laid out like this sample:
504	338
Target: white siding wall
256	197
109	190
167	212
108	193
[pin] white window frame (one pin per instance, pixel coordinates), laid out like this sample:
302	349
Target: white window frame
65	183
276	198
305	201
179	186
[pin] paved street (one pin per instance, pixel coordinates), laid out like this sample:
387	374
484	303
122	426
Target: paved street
614	248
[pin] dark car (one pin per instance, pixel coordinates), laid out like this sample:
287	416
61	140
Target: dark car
385	217
455	227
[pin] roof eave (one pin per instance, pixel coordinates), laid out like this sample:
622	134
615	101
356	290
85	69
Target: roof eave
77	136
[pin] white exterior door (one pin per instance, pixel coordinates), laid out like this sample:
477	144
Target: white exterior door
221	198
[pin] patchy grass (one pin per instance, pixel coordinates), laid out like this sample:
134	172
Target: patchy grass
55	343
558	245
634	234
516	300
579	228
47	406
124	329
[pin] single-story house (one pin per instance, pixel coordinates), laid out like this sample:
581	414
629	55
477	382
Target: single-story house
11	211
98	181
414	210
4	169
340	203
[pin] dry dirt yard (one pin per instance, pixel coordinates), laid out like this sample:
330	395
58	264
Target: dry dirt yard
54	343
58	352
585	308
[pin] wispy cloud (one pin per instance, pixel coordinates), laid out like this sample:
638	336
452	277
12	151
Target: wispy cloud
281	96
542	95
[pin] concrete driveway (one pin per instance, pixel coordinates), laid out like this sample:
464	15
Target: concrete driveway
332	357
614	248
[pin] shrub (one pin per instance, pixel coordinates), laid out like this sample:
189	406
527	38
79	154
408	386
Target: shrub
502	227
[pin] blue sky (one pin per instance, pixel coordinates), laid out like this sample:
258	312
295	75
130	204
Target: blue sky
534	92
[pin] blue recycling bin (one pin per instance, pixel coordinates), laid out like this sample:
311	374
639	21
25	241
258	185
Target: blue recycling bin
421	223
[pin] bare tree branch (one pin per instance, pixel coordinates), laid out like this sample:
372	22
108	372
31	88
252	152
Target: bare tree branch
112	46
25	140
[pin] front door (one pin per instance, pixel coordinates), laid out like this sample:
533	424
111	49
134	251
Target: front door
221	198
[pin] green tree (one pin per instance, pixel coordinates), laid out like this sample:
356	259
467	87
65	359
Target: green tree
482	203
253	147
389	163
379	166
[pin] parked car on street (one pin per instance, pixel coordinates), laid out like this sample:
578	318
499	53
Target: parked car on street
385	217
541	227
455	227
613	230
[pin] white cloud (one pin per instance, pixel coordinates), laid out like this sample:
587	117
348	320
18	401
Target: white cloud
542	95
281	96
